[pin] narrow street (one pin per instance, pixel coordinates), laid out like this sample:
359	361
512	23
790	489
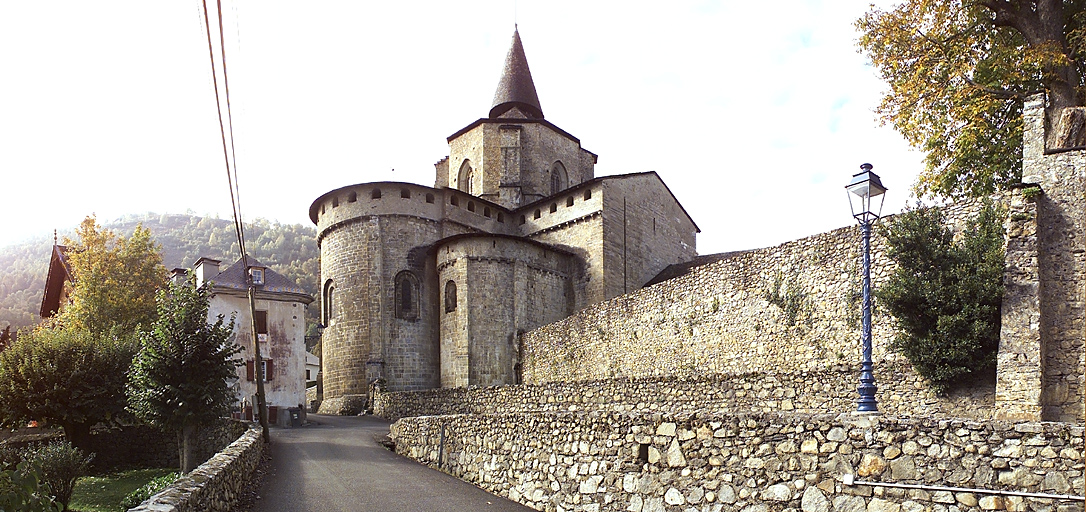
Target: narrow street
336	464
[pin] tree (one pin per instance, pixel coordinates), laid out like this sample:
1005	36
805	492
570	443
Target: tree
116	279
64	376
5	337
958	72
945	294
180	379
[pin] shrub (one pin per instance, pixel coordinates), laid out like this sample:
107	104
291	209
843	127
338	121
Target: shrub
61	465
155	486
23	490
945	294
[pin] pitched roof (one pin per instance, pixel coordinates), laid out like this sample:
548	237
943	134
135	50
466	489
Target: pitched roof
60	272
516	88
236	277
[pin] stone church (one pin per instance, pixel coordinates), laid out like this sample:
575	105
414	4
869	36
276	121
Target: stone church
426	287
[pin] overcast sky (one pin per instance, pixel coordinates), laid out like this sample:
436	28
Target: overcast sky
755	117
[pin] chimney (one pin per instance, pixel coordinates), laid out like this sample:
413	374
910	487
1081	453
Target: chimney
179	275
206	269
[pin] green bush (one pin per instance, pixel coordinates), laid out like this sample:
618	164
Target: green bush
61	465
23	490
155	486
945	294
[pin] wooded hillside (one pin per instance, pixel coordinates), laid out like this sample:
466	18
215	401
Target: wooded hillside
290	249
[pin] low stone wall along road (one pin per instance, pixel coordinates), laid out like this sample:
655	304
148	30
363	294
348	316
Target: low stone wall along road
336	464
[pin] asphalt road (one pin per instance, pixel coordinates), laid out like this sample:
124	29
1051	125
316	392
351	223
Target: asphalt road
335	464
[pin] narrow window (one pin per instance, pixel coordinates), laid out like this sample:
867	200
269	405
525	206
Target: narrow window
450	296
335	201
554	207
376	194
405	193
465	180
471	206
522	220
260	323
569	201
407	295
329	302
352	197
430	198
538	214
559	178
501	218
587	194
455	201
486	212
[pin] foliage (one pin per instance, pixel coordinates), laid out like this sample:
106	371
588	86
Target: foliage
945	294
5	337
793	301
106	493
958	73
23	490
290	249
61	465
179	378
115	279
151	488
66	377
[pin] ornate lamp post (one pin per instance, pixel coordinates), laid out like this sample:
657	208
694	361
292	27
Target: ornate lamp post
864	187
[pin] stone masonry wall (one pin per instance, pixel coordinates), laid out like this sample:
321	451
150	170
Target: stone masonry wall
723	317
1019	368
712	461
216	485
902	392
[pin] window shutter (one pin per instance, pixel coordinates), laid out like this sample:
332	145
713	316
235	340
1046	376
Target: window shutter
271	371
249	370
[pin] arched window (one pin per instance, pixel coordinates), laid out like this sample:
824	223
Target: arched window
465	181
407	296
559	178
329	302
450	296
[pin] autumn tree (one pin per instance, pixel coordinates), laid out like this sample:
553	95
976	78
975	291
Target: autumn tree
115	279
958	73
180	379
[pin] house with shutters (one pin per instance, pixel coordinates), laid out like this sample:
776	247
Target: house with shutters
280	329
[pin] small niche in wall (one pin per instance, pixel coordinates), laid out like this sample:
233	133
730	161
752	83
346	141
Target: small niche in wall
642	452
522	220
587	194
430	198
455	201
501	218
405	193
569	201
335	201
486	212
352	197
471	206
376	194
538	214
554	207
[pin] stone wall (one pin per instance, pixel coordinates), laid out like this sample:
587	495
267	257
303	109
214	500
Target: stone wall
715	460
216	485
789	308
833	389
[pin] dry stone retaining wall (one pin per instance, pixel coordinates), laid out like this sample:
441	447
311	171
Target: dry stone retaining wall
901	392
715	461
216	485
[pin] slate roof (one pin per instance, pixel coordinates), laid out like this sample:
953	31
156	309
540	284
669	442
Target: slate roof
60	272
236	277
516	88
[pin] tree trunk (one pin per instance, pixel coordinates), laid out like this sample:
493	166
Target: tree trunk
188	459
78	434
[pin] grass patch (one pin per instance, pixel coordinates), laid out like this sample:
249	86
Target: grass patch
104	493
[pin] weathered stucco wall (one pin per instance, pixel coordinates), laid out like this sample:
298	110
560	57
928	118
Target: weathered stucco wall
712	460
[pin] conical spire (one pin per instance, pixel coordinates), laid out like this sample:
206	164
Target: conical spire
516	89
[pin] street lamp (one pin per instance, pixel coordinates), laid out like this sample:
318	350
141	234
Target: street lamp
864	187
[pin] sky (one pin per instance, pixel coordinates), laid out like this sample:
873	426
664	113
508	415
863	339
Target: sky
756	119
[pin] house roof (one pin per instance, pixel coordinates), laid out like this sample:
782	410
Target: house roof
236	277
60	272
516	88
